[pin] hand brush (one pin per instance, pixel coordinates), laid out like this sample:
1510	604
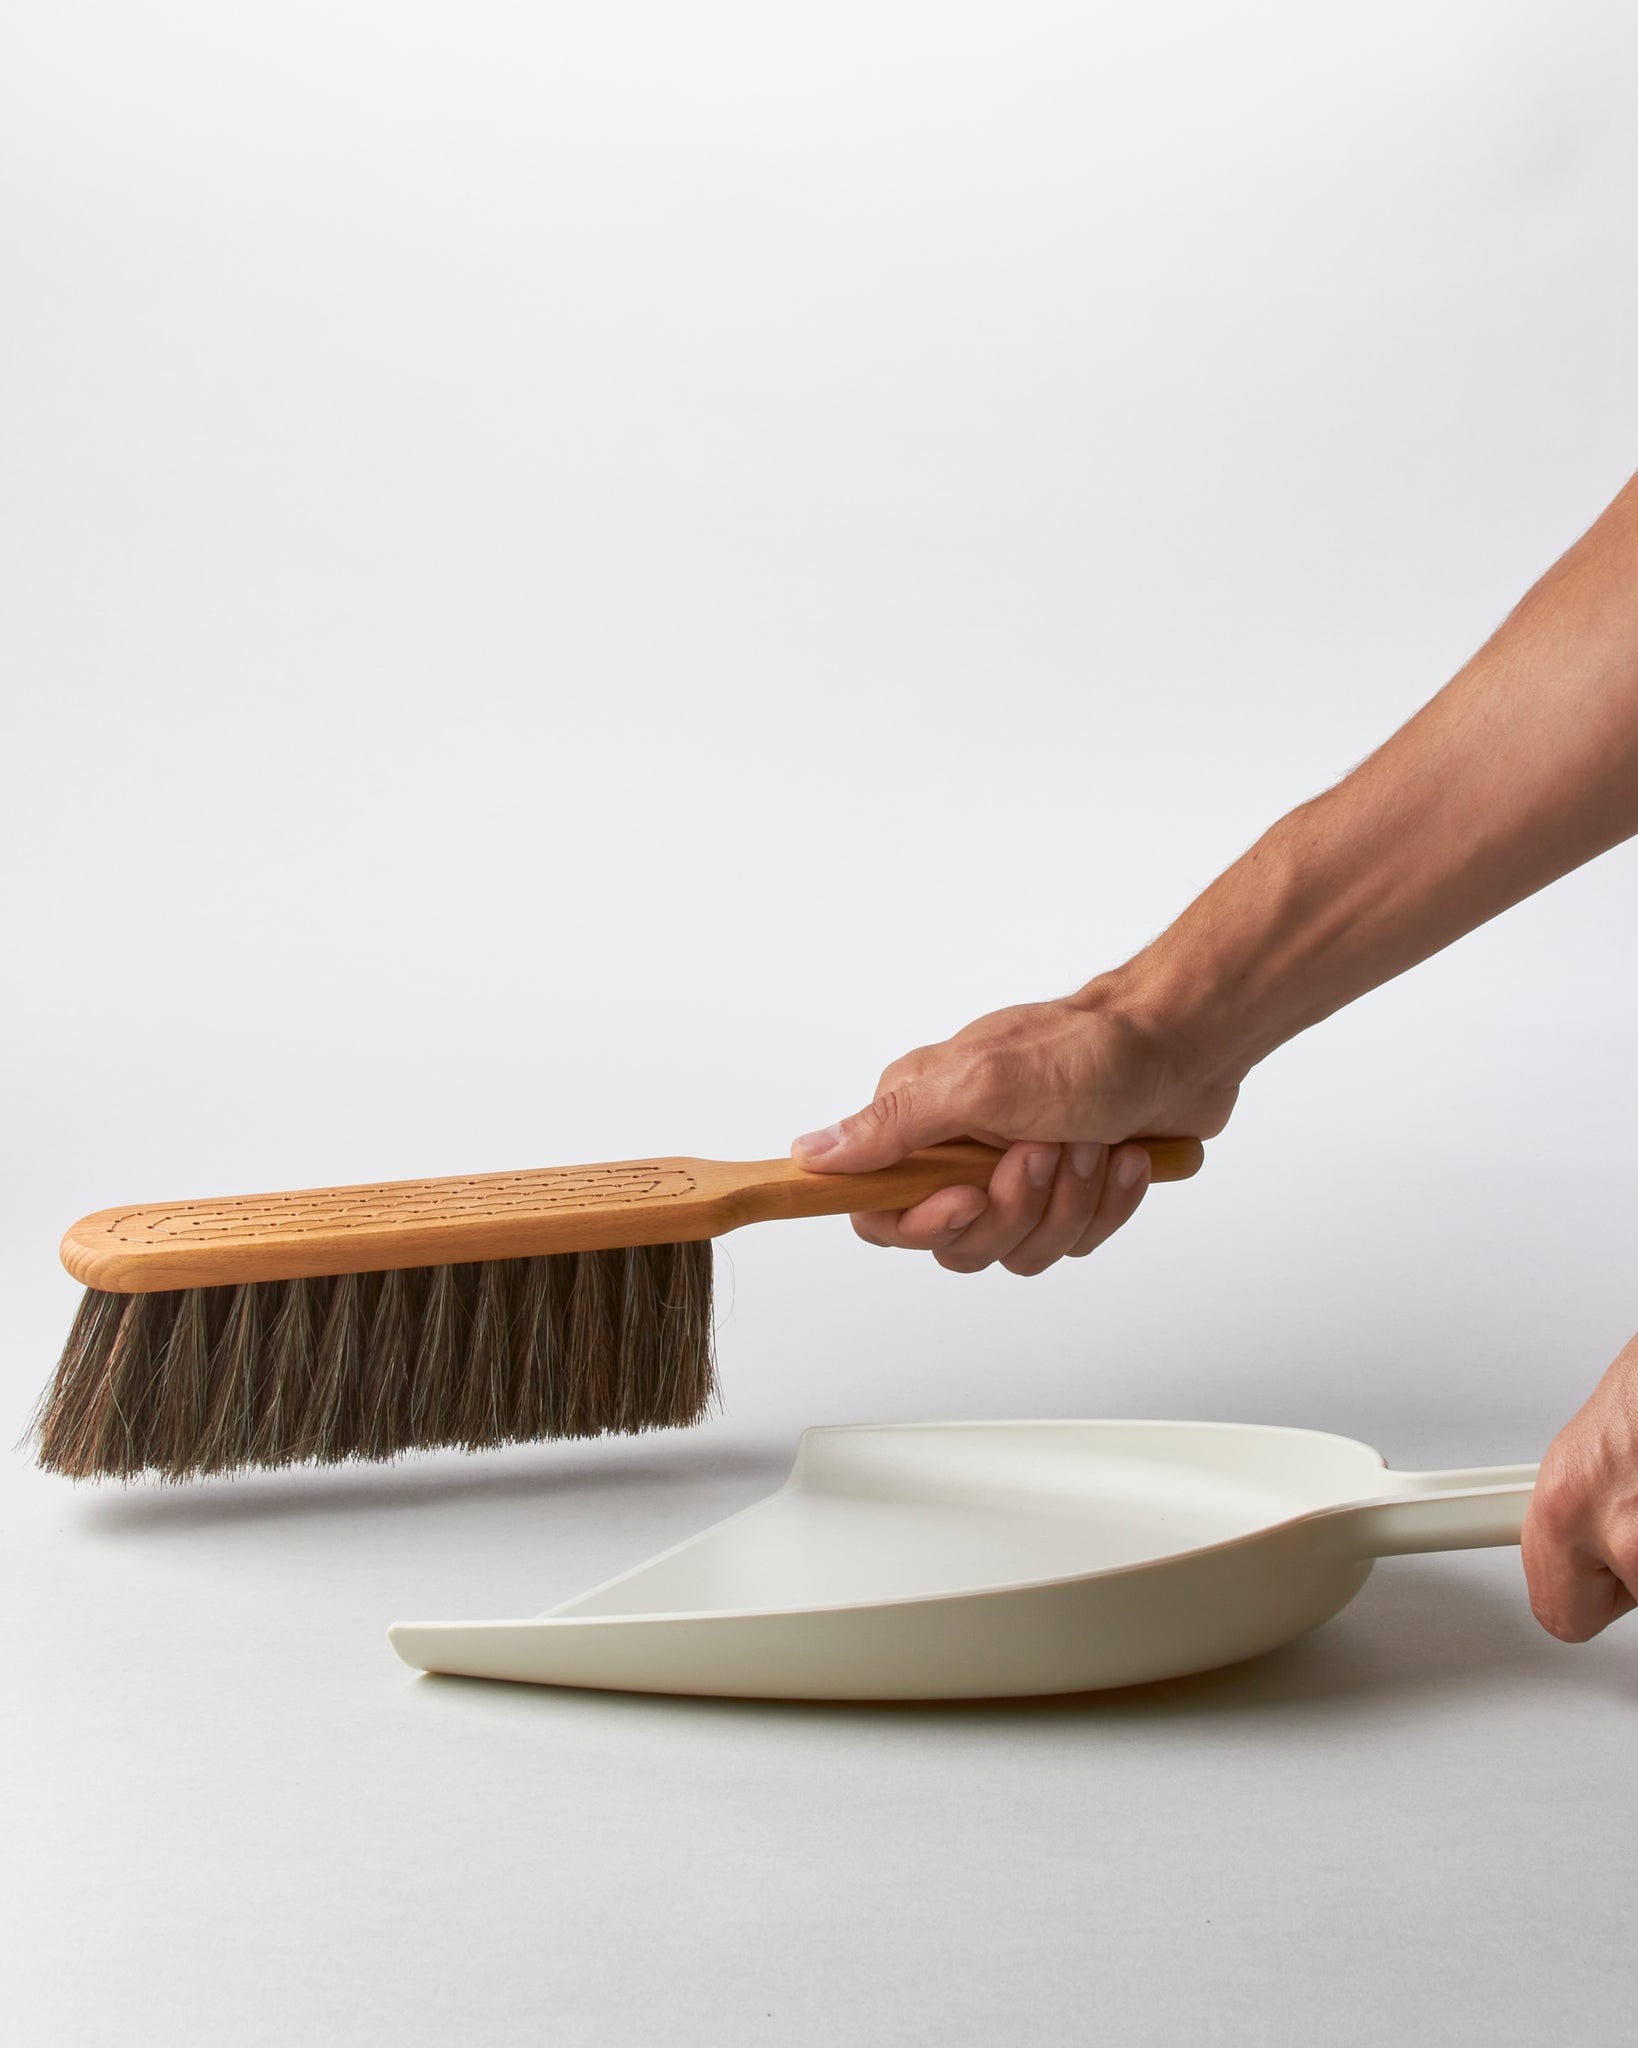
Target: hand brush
360	1322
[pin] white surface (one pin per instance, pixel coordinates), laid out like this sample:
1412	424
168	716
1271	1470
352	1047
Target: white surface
244	1820
576	580
995	1560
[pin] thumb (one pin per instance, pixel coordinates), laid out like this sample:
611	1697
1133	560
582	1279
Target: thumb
900	1120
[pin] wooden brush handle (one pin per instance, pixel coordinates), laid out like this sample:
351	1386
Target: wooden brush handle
782	1188
380	1227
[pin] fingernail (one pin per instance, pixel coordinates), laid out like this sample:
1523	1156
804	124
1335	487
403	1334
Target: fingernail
1133	1167
960	1218
1083	1160
1040	1167
816	1143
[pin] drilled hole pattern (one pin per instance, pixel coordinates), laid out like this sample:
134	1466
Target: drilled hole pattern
476	1199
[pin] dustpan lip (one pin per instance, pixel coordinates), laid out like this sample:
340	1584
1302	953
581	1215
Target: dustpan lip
650	1616
552	1619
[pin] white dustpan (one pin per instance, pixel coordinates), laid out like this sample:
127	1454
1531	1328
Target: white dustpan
970	1560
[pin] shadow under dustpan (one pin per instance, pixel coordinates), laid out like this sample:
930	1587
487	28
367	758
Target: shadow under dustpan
997	1560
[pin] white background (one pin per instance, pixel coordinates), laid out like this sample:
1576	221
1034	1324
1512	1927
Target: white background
576	580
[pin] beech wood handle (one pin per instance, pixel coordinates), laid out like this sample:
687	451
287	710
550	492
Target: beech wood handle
374	1228
782	1188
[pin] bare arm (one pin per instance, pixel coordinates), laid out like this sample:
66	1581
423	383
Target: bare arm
1522	768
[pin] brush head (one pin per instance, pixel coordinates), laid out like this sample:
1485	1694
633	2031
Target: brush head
321	1324
197	1380
386	1226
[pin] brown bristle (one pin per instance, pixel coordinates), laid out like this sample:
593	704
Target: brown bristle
330	1416
536	1346
383	1405
440	1352
182	1400
296	1310
124	1406
686	1377
230	1373
286	1372
69	1402
591	1344
484	1406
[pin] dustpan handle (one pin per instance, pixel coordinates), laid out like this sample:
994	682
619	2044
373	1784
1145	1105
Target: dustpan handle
1463	1510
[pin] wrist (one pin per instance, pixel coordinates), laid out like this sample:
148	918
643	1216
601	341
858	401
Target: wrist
1193	999
1221	988
1155	1052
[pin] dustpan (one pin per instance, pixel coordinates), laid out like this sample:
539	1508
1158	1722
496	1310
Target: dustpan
973	1560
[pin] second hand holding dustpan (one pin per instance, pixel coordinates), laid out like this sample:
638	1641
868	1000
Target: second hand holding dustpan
995	1560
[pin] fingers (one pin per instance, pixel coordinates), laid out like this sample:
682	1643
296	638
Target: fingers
1042	1082
1045	1202
1580	1561
1574	1593
958	1089
1125	1185
932	1225
1080	1183
904	1116
1021	1190
1581	1533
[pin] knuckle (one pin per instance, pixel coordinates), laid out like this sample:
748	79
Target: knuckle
887	1116
981	1078
1620	1549
1030	1268
1557	1624
922	1237
885	1111
905	1071
1557	1505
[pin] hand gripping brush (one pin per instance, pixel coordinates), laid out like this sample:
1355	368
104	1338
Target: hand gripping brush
360	1322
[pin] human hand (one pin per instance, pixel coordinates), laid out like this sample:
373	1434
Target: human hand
1581	1531
1059	1086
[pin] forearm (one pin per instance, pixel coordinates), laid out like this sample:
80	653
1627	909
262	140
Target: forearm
1522	768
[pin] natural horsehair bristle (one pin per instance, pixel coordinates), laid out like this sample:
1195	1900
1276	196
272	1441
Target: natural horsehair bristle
369	1365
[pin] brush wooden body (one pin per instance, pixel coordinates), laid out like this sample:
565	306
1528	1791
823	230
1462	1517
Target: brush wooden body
362	1322
392	1225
